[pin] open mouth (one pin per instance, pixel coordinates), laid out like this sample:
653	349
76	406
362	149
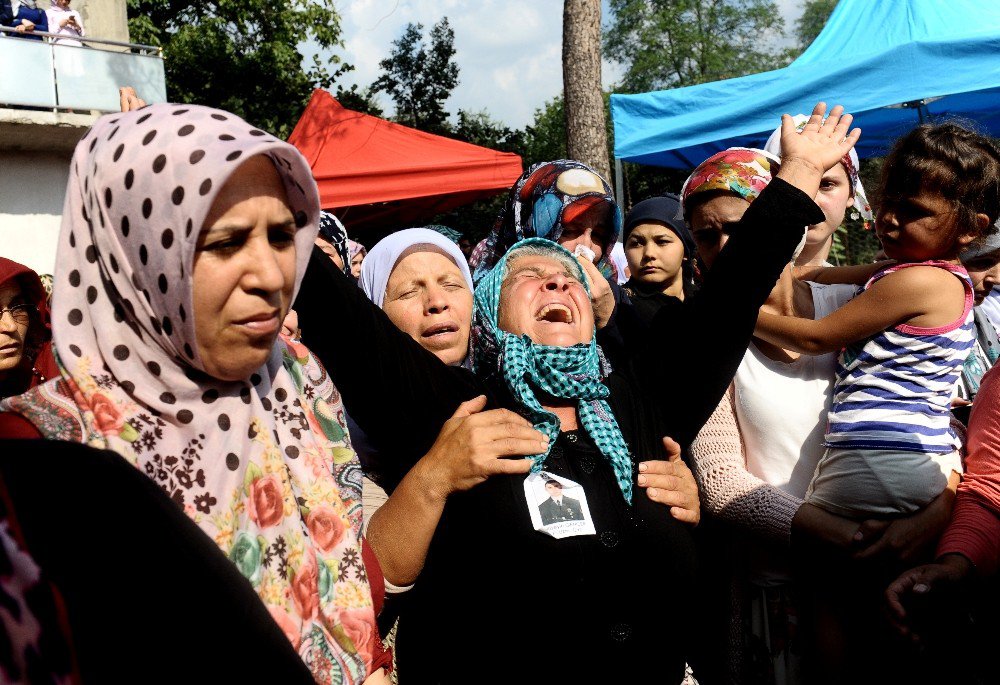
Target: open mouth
440	329
554	312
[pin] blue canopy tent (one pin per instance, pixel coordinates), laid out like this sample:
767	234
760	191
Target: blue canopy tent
891	63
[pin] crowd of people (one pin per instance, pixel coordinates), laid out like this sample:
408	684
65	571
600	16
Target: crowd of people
27	18
717	460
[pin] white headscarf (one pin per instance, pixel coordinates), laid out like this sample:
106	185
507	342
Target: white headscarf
851	164
382	259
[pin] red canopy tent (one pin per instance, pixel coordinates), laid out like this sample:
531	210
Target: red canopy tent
380	176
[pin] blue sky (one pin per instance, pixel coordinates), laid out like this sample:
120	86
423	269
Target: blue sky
508	51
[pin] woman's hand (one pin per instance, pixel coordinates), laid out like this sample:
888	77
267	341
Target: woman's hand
821	143
920	582
601	297
471	446
819	526
807	155
671	483
910	539
129	100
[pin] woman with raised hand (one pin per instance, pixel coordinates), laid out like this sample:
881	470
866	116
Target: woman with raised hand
617	587
185	235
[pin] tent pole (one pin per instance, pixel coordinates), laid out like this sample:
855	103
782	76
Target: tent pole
619	189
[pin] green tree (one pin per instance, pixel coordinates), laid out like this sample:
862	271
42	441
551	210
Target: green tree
674	43
242	55
813	19
419	77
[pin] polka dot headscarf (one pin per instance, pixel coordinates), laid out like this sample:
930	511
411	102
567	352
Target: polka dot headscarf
263	465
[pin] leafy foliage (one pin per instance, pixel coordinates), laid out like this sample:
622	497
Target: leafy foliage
420	77
813	19
242	55
674	43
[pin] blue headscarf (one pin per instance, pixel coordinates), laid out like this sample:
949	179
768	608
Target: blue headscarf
545	197
571	373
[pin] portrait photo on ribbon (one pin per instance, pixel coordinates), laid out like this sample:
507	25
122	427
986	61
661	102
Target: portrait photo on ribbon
557	505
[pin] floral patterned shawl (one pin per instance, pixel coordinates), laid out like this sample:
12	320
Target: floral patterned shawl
547	195
264	466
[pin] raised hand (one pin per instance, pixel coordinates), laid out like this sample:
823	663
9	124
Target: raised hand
823	142
671	483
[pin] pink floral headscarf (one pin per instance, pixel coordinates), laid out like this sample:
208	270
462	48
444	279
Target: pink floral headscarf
263	465
742	171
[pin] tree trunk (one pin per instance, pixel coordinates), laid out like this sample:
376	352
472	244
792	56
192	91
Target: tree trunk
586	132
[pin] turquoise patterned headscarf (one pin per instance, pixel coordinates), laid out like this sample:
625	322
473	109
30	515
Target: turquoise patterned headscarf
571	373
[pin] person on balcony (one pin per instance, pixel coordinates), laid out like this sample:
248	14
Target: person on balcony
25	17
65	22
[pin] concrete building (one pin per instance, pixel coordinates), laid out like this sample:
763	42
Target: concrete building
49	96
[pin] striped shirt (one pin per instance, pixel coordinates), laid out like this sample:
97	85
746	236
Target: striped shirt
893	390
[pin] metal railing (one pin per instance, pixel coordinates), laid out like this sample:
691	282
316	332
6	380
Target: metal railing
46	75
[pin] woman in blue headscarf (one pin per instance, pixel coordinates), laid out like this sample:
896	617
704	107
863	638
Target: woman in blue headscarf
564	201
507	595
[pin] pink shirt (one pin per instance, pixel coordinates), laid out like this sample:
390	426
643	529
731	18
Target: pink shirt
974	531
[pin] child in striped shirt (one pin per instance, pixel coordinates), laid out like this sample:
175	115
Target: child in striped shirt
890	449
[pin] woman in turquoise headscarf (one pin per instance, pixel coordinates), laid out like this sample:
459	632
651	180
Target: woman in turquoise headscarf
507	596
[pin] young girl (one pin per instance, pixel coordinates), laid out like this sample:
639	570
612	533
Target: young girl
903	338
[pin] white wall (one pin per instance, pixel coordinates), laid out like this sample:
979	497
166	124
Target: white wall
32	189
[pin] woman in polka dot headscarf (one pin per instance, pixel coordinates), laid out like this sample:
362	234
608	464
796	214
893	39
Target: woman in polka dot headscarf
185	235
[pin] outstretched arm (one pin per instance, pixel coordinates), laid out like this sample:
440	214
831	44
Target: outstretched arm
396	391
898	298
718	321
857	274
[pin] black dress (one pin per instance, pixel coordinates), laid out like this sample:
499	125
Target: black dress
498	601
147	596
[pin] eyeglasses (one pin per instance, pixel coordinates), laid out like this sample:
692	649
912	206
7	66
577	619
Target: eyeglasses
20	313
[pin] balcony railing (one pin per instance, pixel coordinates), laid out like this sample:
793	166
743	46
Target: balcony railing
40	74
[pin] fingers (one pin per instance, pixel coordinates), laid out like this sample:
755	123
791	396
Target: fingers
658	467
871	539
816	118
660	480
852	139
672	448
515	447
498	417
508	466
469	407
787	125
594	277
897	590
686	515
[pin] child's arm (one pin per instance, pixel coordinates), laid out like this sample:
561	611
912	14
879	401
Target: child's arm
924	293
858	274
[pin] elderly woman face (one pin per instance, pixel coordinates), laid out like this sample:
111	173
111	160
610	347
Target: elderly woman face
428	299
244	272
14	322
542	298
712	221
